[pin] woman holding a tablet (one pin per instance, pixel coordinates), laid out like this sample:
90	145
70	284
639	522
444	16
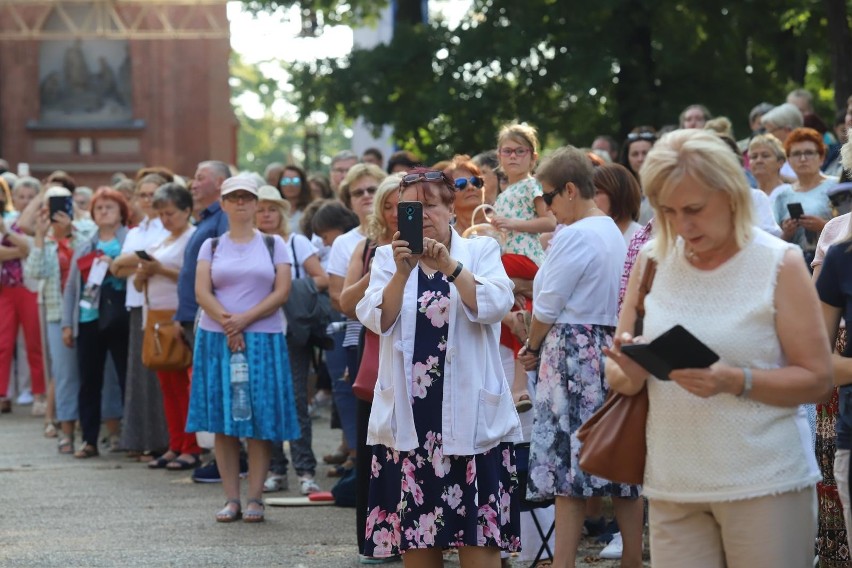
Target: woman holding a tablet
730	471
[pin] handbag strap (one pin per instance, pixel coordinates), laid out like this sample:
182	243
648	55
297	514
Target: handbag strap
367	255
644	288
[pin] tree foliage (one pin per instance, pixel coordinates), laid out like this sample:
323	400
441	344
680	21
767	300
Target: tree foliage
574	70
267	134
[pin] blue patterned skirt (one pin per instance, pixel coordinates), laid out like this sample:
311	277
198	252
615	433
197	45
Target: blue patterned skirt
570	388
273	406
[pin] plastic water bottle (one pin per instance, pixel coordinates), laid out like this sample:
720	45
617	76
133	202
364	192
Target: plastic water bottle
240	392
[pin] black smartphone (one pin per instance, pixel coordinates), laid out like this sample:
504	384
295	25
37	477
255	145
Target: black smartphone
675	349
143	255
410	222
63	203
795	210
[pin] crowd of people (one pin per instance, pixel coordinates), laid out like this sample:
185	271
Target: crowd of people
292	291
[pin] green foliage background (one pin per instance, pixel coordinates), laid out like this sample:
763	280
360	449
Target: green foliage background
572	69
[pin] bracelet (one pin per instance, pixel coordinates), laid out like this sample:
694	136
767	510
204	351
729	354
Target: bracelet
747	383
530	349
456	272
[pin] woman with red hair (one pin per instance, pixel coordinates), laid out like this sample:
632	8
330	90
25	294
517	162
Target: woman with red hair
93	312
805	153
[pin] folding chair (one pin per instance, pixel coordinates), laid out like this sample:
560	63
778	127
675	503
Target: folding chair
522	460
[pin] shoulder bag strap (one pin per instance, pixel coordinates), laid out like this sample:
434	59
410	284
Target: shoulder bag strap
295	259
644	288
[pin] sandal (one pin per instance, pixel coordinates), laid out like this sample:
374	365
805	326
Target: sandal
87	451
523	404
163	461
229	515
66	445
337	457
178	464
50	430
342	469
254	515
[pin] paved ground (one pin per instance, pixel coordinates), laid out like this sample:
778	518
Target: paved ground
56	511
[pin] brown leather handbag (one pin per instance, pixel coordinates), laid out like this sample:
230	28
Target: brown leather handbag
613	437
164	348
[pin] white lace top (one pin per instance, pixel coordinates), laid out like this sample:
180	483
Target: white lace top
724	447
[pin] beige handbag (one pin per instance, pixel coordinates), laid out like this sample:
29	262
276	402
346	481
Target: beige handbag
484	229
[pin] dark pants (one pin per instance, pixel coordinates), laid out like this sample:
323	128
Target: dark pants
304	461
362	473
93	344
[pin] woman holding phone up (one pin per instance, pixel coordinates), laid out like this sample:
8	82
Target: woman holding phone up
443	470
730	471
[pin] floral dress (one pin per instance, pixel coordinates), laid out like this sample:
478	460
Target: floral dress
518	202
422	498
570	389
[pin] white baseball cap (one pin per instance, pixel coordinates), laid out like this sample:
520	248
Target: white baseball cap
237	183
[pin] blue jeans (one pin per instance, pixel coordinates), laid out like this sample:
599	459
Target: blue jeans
337	360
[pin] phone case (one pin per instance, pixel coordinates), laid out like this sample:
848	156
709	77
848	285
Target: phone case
410	222
675	349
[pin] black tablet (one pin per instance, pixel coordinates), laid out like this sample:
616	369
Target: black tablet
675	349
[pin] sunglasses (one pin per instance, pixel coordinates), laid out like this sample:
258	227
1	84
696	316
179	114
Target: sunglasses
520	152
295	180
362	192
475	181
650	136
548	197
431	176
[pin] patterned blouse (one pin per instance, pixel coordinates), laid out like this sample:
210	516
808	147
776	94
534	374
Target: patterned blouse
517	202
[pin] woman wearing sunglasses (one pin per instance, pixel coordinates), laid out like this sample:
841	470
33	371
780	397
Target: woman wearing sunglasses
468	181
443	468
295	188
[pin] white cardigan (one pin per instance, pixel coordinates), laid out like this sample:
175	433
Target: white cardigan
478	411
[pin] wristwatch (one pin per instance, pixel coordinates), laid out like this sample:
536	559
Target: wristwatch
456	272
747	383
530	349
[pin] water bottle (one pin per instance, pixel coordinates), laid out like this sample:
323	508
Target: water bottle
240	392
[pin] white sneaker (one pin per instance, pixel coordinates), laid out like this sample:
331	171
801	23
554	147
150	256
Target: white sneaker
25	398
307	485
275	483
613	550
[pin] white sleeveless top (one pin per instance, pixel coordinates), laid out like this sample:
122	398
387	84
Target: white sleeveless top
724	447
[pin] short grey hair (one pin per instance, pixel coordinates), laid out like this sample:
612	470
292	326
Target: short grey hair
173	193
344	155
787	115
26	181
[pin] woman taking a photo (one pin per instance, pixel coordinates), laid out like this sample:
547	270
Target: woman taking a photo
157	279
242	280
94	317
575	301
730	471
442	413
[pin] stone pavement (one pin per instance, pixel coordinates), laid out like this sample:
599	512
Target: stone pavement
57	511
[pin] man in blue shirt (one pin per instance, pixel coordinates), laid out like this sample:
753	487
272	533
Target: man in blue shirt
210	222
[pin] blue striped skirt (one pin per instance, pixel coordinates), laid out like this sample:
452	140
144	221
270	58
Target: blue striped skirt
273	407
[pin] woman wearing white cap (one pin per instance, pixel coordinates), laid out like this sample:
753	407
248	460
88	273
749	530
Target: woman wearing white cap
242	280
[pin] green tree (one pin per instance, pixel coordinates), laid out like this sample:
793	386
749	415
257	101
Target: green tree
267	134
573	71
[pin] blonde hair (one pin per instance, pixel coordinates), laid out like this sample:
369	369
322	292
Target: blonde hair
769	141
283	207
376	228
846	154
721	125
522	133
705	157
